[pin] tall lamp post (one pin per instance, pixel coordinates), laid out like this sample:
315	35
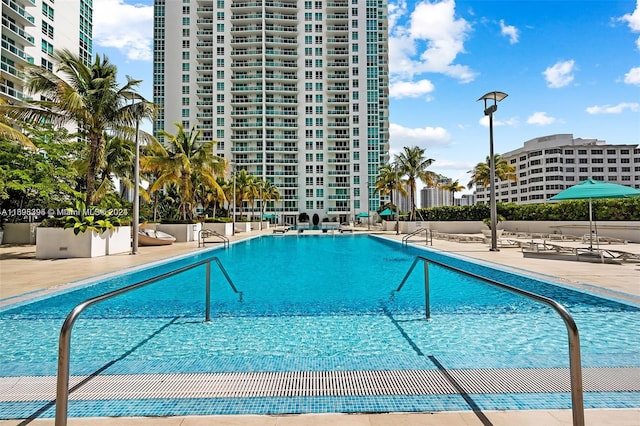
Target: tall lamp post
136	192
489	109
233	217
368	206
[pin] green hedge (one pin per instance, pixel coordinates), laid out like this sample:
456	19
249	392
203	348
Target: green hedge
603	210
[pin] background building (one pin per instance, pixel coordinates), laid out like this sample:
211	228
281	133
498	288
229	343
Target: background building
293	92
547	165
33	29
436	196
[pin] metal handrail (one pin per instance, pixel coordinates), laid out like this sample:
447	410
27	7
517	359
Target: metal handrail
577	402
428	236
205	233
64	345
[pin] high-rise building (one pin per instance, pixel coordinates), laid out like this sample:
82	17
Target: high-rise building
436	195
546	165
294	92
33	29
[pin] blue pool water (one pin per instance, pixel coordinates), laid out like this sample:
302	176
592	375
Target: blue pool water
319	298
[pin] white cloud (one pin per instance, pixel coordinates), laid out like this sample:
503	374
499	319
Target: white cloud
614	109
400	136
510	122
509	31
633	20
407	89
560	74
540	119
633	76
126	27
430	42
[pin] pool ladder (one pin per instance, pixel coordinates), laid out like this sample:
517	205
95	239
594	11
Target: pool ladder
64	345
577	402
428	236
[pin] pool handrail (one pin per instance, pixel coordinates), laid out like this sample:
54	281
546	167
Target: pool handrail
203	234
575	369
64	344
428	236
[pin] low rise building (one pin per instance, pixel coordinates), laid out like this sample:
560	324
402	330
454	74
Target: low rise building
546	165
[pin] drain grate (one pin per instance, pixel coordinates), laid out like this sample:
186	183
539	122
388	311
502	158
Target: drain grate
321	383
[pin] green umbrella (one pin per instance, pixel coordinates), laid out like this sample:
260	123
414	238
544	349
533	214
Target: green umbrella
363	214
590	189
386	212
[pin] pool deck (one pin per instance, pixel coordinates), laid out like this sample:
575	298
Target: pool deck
21	275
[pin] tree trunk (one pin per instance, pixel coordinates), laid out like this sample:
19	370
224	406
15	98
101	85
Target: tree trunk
94	150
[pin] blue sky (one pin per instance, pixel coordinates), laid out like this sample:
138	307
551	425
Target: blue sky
568	66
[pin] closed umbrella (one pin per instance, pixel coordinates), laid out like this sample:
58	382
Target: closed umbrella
590	189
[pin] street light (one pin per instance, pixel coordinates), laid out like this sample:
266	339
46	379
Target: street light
136	191
489	110
233	217
368	206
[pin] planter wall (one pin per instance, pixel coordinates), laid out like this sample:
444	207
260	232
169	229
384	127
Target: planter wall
118	240
243	226
221	228
60	243
19	233
184	232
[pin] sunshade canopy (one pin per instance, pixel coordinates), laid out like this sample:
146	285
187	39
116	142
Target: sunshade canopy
269	216
362	214
386	212
590	189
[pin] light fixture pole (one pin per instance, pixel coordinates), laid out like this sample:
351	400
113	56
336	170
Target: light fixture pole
233	217
489	110
136	191
368	206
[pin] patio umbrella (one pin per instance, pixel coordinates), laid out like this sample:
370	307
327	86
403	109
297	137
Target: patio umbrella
362	214
269	216
590	189
386	212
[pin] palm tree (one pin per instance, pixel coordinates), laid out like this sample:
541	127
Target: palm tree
481	173
86	96
9	131
245	188
412	164
269	192
184	161
389	180
453	187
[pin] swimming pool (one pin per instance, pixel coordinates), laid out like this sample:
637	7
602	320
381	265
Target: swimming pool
317	304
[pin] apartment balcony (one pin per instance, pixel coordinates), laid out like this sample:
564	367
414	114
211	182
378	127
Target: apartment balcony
243	88
272	100
278	17
246	100
281	76
338	88
338	64
247	5
337	5
13	71
18	31
339	172
337	40
341	100
281	28
339	160
236	112
338	28
19	15
204	35
247	29
16	53
280	40
246	53
338	112
205	23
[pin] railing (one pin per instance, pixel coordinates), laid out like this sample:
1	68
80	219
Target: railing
208	233
428	236
577	403
64	345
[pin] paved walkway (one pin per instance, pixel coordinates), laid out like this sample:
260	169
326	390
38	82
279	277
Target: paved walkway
21	275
